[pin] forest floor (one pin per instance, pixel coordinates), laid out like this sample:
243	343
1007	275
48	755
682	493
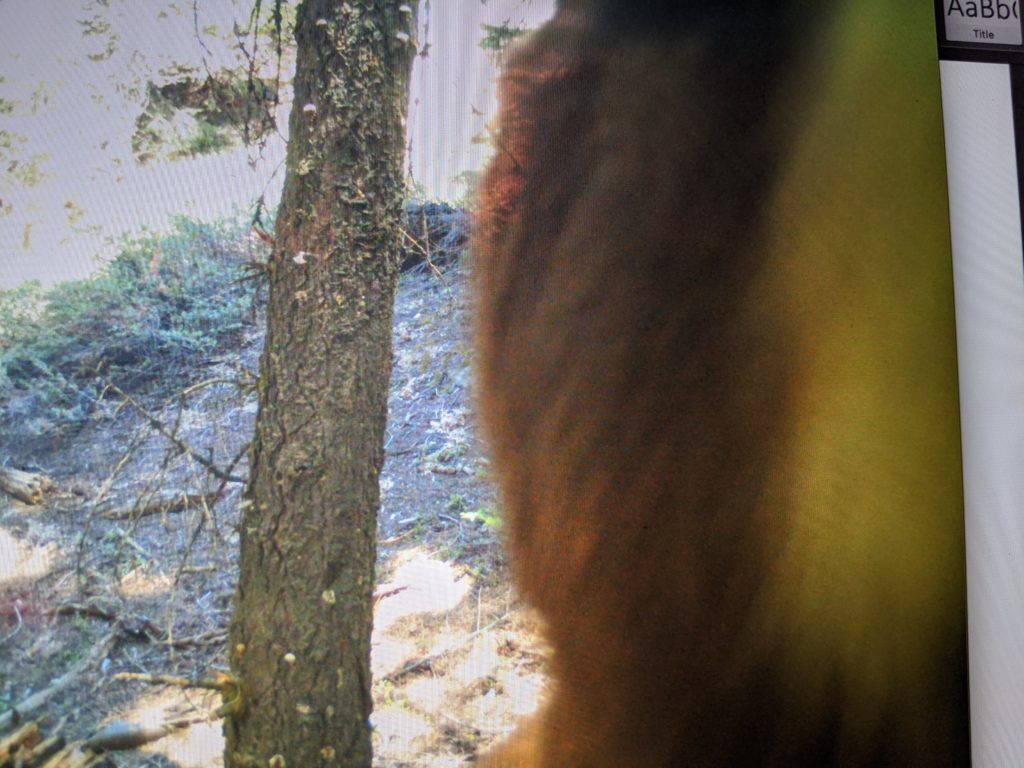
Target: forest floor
130	565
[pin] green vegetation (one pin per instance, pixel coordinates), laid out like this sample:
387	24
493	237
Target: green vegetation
28	172
191	115
9	144
497	38
207	140
145	319
488	517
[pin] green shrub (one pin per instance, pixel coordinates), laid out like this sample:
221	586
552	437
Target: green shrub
162	305
486	516
19	310
207	140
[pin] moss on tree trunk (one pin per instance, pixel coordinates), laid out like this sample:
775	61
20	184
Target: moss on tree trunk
300	636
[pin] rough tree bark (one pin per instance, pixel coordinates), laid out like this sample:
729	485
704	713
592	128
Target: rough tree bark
299	641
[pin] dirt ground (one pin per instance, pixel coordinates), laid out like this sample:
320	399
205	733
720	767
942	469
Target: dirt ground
130	565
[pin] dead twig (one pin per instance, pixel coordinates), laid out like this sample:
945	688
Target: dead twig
213	637
425	251
227	686
175	680
172	437
10	635
395	539
430	658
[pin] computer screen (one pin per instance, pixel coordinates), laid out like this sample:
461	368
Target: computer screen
982	75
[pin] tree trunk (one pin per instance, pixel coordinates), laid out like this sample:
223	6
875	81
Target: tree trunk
300	637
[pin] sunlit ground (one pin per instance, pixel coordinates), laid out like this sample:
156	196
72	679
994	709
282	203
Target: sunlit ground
20	561
478	692
420	585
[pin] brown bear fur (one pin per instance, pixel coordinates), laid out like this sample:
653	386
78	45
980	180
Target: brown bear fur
717	373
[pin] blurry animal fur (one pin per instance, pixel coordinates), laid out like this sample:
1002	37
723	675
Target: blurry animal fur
718	376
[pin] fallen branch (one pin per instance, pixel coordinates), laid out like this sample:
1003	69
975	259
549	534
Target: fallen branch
27	487
92	609
164	506
72	756
45	749
138	627
35	702
119	736
26	747
27	737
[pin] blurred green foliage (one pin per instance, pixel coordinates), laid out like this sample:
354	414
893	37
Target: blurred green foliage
147	318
